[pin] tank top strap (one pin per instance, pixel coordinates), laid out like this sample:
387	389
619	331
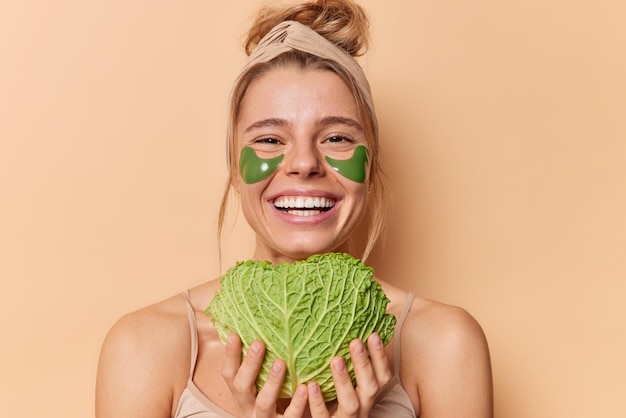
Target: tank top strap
396	349
193	329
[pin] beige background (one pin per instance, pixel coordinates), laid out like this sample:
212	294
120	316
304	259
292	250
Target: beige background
505	123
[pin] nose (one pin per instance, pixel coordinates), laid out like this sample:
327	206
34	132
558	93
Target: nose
304	160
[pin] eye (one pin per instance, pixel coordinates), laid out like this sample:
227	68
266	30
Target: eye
267	140
338	139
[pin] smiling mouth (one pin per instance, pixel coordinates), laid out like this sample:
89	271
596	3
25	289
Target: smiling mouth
304	205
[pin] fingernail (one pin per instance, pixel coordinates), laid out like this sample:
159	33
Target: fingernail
277	367
230	339
301	392
314	388
358	346
255	347
338	364
378	343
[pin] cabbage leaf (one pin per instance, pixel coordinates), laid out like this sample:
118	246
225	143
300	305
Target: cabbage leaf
306	312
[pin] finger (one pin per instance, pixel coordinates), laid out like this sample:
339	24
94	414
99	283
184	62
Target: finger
245	379
240	376
347	397
378	358
317	405
366	383
265	405
232	359
298	403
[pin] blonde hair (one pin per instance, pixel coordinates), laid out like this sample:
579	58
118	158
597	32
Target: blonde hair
345	24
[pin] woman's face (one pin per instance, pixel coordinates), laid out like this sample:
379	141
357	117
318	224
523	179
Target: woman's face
303	169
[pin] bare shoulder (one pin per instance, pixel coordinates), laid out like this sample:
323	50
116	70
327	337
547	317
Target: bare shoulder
430	322
445	359
152	331
440	326
142	361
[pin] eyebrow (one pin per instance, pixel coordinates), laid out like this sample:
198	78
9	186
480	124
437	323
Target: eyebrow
340	120
267	123
326	121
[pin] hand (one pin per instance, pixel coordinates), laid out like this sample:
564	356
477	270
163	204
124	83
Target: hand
241	377
372	372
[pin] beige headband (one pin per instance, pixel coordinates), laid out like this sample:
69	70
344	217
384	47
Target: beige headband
291	35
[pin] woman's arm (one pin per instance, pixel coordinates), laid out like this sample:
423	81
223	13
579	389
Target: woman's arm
136	370
446	356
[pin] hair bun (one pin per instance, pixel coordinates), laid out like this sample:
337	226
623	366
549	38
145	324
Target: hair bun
342	22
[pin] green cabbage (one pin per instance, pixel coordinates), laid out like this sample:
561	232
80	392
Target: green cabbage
306	312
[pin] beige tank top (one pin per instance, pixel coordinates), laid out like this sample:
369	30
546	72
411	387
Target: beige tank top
392	400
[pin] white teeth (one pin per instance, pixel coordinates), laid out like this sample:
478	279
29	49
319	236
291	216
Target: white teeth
304	202
304	212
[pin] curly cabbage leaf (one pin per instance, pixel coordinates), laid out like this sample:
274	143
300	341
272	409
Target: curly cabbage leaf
306	313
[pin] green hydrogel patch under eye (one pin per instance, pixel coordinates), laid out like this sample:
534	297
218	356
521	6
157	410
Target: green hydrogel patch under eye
254	169
354	168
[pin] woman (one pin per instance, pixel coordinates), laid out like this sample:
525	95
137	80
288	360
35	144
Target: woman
303	155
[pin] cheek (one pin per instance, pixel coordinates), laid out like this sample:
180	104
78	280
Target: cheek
251	203
251	193
358	196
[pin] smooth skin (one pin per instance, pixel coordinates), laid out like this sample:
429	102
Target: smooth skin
144	366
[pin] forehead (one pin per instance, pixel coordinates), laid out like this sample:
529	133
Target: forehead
297	95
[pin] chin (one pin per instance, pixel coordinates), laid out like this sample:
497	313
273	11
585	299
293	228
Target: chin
303	253
299	250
